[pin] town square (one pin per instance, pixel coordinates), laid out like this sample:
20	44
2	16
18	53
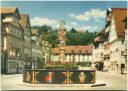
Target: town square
64	45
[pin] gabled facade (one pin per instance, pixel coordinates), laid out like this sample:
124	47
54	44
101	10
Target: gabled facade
116	39
25	24
13	41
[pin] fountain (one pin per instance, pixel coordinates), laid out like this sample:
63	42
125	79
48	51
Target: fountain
60	72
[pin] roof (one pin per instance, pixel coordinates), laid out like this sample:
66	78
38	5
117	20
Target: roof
119	15
102	32
24	20
75	49
9	11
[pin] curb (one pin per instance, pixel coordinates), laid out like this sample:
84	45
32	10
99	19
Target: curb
64	85
96	85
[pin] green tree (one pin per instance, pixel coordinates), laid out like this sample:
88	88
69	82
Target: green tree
52	38
72	37
73	30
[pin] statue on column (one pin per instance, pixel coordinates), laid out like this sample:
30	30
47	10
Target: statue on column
62	30
62	44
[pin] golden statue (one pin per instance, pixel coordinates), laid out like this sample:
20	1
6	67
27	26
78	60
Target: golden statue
82	77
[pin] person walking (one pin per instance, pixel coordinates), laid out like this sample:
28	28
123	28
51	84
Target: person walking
17	69
109	70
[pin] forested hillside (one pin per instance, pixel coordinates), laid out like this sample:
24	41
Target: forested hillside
72	37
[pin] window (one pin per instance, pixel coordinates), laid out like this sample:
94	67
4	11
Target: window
122	53
11	53
122	41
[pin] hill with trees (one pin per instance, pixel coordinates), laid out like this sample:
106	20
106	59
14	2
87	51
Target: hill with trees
72	37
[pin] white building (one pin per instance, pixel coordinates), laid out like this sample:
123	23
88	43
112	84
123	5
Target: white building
98	51
116	27
74	53
112	41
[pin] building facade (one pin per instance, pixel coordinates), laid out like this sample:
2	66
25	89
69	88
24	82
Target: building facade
13	41
117	38
98	51
25	24
3	57
37	56
74	54
114	41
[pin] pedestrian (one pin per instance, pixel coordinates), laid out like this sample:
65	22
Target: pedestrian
18	70
109	70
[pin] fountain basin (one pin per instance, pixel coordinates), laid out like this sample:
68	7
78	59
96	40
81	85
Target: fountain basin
43	76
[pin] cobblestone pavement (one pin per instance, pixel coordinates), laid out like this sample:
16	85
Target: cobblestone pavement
113	82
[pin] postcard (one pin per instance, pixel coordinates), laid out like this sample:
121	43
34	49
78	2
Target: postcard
64	45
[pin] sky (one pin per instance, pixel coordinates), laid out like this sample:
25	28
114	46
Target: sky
82	15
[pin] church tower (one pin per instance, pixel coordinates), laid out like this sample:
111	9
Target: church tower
62	44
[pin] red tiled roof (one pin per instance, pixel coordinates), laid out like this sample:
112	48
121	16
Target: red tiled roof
119	15
10	11
75	49
7	10
102	32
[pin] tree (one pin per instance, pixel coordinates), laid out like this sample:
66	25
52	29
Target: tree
52	38
72	38
86	31
73	30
